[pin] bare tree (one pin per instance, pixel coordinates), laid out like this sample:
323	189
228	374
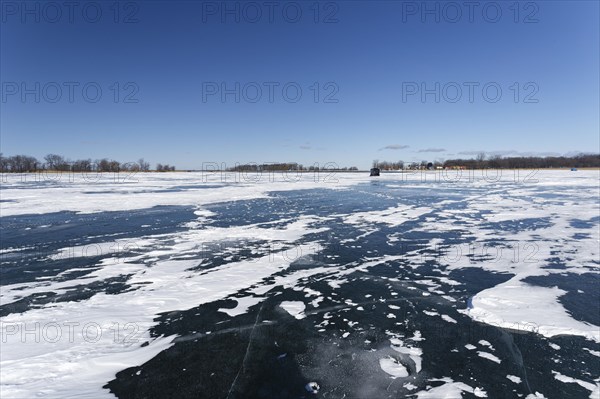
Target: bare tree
144	166
103	165
22	163
3	164
82	165
56	162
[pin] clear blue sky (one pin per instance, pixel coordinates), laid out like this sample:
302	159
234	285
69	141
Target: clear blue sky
370	56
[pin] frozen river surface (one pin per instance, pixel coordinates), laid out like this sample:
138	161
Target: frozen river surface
192	285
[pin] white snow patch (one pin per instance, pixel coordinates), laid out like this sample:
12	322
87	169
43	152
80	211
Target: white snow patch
417	336
450	390
393	367
593	388
448	319
595	353
535	395
521	306
489	356
242	305
410	386
295	308
554	346
414	353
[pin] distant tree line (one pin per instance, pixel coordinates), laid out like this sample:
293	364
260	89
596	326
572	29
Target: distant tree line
482	161
164	168
286	166
498	162
58	163
386	165
54	162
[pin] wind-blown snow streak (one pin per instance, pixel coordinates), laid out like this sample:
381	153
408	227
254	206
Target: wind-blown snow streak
110	192
105	331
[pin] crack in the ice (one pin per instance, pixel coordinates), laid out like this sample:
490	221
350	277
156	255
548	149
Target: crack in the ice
247	352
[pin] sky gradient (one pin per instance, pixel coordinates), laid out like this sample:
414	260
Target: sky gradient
186	82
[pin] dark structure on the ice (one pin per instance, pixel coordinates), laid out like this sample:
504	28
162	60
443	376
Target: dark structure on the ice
374	171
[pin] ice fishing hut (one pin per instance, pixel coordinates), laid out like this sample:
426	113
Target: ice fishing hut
375	171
